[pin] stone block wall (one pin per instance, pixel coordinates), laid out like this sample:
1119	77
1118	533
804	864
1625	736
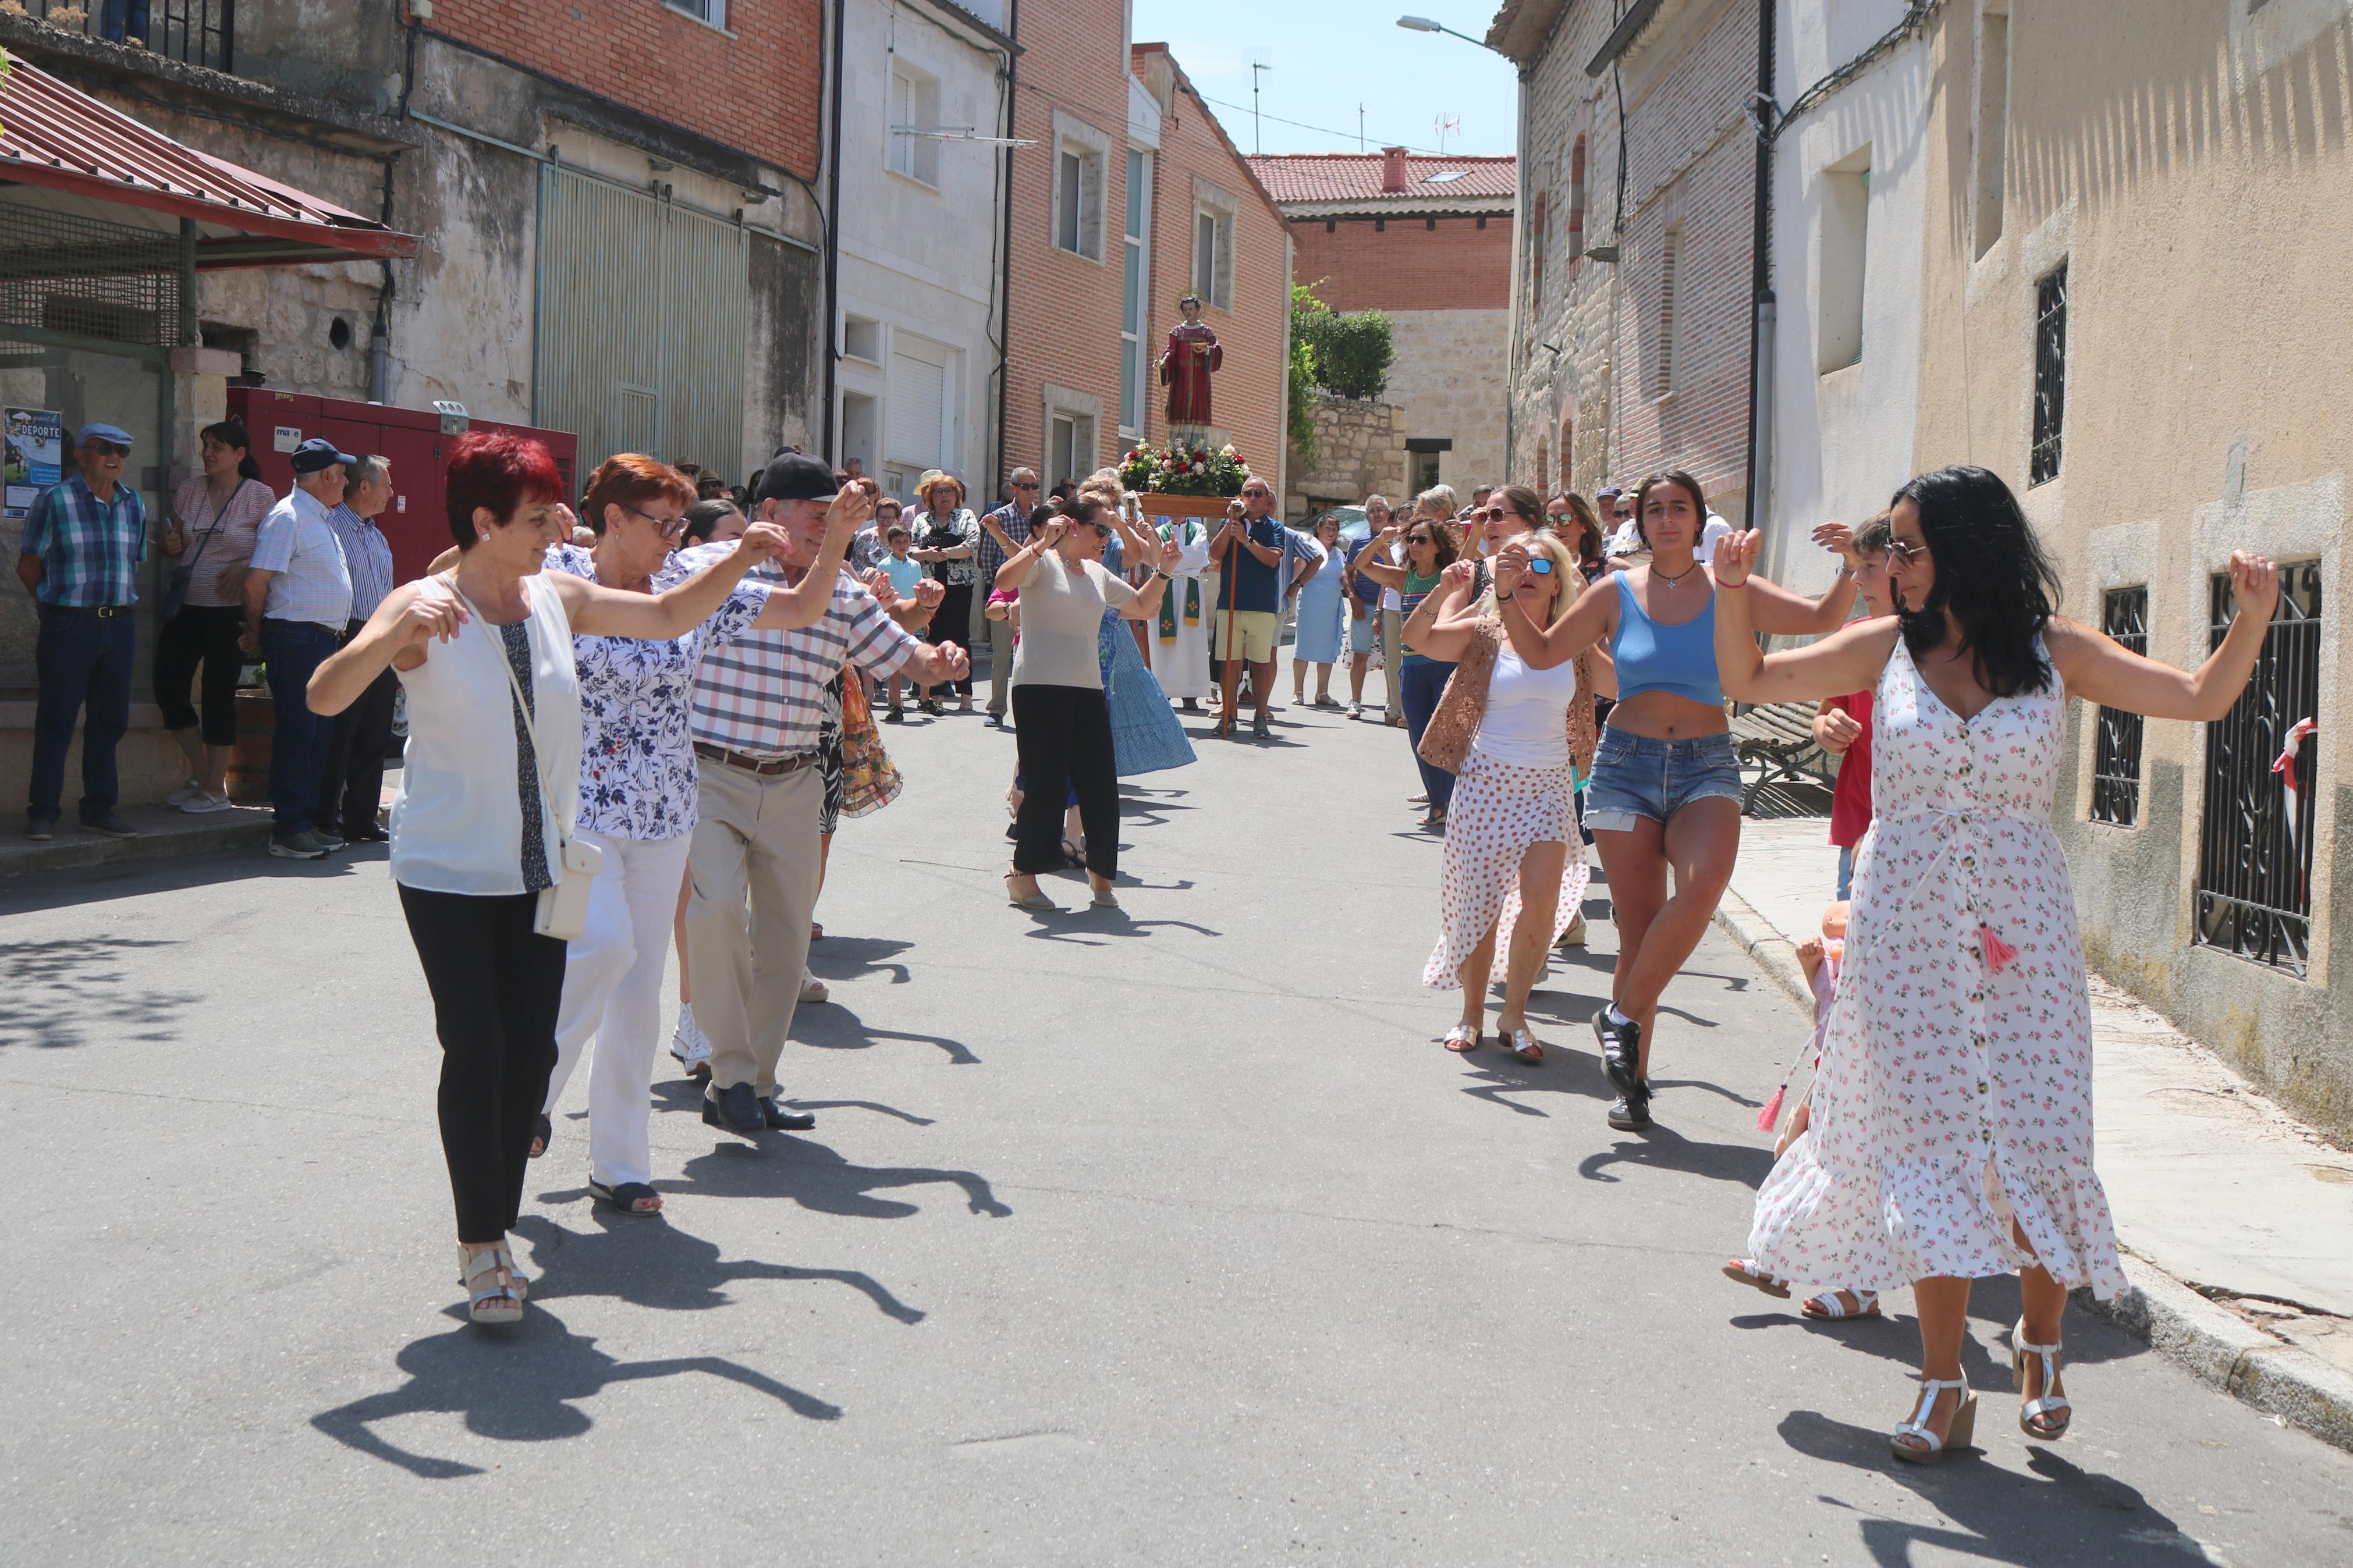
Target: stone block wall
1359	451
1448	380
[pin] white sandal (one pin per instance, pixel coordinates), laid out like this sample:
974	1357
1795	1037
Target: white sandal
499	1302
1932	1447
2051	1409
1828	1306
1744	1270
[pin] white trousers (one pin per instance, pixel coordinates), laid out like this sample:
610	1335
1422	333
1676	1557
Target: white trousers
612	989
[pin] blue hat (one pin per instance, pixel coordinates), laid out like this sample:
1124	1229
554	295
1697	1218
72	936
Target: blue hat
114	433
318	454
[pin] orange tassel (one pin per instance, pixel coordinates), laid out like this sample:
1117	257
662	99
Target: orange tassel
1997	952
1771	1115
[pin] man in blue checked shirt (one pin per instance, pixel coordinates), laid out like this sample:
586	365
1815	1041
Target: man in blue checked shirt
351	781
298	601
84	540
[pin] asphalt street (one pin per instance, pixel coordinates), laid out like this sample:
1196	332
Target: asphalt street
1160	1236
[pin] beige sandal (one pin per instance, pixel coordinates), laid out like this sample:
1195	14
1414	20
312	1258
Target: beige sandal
498	1302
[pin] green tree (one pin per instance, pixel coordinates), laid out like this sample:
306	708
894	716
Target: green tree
1305	307
1351	350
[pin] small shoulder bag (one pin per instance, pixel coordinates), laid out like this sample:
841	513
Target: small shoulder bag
175	591
562	911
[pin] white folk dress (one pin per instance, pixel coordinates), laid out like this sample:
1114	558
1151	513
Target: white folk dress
1956	1091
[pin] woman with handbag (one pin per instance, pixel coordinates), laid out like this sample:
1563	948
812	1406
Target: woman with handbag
491	878
215	517
947	538
637	800
1514	874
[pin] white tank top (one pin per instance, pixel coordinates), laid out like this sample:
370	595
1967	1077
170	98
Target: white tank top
456	823
1525	724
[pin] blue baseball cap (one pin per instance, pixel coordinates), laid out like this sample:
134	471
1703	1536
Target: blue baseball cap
317	455
114	433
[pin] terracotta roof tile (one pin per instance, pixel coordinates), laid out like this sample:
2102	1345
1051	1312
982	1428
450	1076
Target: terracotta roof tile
1356	176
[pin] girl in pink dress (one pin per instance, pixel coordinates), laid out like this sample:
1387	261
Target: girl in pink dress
1951	1133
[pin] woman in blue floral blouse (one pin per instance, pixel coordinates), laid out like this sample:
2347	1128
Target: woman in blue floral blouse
637	798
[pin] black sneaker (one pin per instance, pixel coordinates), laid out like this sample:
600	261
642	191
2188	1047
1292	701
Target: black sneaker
1262	729
328	836
303	846
40	829
1622	1051
780	1119
1630	1113
896	716
112	825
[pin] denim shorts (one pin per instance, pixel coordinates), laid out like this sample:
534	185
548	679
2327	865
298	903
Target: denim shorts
1635	776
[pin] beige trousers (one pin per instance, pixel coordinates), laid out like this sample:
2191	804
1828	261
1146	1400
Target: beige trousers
1392	651
757	838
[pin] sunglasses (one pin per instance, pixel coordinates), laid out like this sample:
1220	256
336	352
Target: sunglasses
1540	565
1419	539
668	527
108	449
1018	486
1903	552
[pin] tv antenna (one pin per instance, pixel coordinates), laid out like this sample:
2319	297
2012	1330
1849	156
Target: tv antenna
1255	67
1445	124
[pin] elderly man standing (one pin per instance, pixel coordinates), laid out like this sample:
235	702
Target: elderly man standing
1247	624
84	540
758	704
298	601
350	781
1003	531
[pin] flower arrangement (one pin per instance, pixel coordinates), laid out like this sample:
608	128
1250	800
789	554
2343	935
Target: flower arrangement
1184	468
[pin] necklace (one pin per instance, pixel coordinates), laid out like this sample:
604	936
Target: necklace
1678	577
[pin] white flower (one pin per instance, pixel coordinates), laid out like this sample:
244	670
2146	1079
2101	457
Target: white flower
1200	467
1228	450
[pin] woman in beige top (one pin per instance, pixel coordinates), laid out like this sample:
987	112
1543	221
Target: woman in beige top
215	517
1062	723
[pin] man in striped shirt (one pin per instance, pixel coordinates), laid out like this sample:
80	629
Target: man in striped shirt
350	781
758	702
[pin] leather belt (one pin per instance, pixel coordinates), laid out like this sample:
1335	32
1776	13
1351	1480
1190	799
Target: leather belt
103	612
767	767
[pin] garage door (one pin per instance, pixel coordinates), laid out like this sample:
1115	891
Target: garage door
644	317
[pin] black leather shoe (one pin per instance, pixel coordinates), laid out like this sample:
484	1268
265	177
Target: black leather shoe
1630	1113
735	1109
1622	1051
369	835
780	1119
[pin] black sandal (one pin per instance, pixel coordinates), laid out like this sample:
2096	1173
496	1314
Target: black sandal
1073	857
625	1198
544	1134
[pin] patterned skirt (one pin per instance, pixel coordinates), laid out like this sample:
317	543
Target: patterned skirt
1498	812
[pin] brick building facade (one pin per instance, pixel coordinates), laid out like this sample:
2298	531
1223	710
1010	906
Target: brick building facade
1632	313
1428	240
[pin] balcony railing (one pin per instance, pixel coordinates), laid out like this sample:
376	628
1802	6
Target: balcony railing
199	32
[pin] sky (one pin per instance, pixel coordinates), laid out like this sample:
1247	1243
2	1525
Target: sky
1328	56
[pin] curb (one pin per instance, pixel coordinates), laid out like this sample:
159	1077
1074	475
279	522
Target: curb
1774	953
2223	1349
2219	1347
82	849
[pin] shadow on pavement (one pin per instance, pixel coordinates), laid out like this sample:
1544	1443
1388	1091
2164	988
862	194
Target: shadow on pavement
647	1261
817	1178
519	1385
1495	1076
1662	1148
854	957
138	879
2072	1516
832	1026
1994	1300
62	993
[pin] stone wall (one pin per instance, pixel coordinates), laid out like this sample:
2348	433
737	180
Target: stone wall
1448	380
1359	450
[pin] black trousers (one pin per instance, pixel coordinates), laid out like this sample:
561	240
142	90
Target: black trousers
205	635
952	622
496	987
1063	736
351	785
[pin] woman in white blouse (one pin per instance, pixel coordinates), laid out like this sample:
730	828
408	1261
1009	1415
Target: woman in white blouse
1061	721
487	792
637	797
215	517
947	537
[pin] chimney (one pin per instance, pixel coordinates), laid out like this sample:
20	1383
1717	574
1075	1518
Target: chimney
1392	169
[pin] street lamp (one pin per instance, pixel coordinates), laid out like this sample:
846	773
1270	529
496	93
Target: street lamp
1424	25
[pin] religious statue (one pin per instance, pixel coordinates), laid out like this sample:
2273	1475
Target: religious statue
1185	366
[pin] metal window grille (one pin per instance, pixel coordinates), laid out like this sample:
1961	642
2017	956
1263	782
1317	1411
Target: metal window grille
2050	374
85	277
199	32
2116	765
2255	838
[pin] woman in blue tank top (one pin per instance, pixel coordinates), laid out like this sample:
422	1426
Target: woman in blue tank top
1666	787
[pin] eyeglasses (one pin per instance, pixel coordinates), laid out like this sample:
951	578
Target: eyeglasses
1494	514
668	527
1020	486
1905	553
108	449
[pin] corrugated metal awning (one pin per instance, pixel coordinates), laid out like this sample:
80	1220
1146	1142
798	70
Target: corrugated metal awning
80	155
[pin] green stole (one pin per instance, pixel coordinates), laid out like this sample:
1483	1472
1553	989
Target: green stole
1192	587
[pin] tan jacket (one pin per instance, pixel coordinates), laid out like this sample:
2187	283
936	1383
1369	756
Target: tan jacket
1447	739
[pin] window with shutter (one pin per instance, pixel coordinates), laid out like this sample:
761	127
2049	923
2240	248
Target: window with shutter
919	404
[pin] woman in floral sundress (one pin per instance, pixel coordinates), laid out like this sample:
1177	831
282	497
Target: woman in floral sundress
1952	1135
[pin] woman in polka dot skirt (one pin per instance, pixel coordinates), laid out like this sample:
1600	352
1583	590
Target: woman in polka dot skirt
1951	1134
1513	875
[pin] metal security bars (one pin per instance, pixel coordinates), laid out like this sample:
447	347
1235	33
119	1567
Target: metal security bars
644	321
2050	374
2115	764
83	277
199	32
2254	838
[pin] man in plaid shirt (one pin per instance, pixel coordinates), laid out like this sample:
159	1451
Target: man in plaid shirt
1002	534
757	705
79	560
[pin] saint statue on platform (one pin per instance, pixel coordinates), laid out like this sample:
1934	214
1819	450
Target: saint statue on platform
1185	366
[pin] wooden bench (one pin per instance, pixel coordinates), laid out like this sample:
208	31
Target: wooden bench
1778	737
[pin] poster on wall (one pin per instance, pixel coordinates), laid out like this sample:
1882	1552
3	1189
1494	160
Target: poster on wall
36	448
